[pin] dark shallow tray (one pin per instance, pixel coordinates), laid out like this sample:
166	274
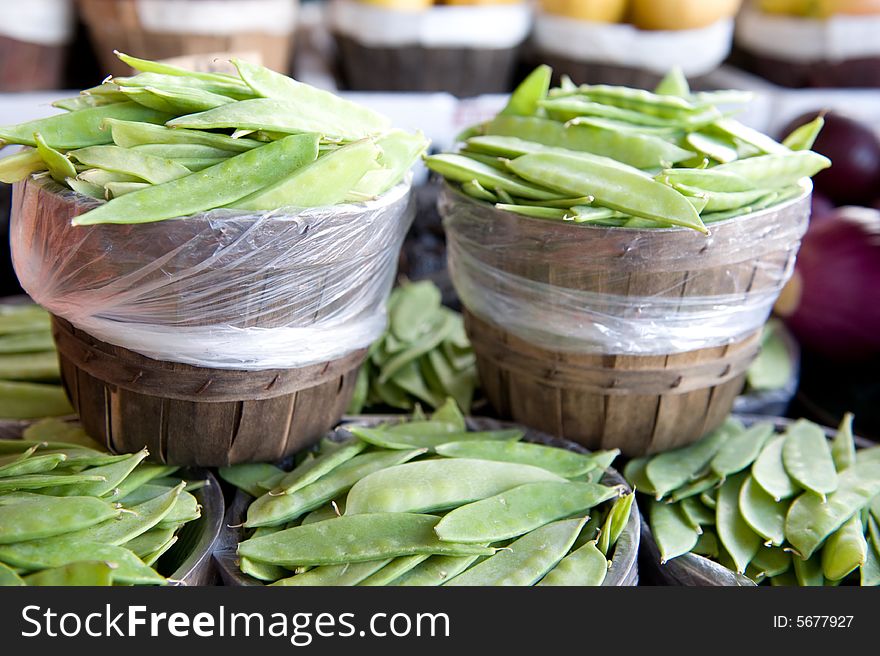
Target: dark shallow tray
692	569
624	564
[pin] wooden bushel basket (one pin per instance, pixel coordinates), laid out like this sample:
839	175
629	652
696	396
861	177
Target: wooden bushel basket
637	403
184	414
117	25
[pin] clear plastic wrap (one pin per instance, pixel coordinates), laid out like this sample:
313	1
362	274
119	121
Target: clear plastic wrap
222	289
588	289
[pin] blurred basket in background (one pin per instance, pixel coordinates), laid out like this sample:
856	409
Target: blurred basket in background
34	36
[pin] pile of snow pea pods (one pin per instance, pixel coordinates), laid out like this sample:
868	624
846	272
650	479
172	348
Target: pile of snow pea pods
29	374
791	508
73	514
168	142
615	156
426	502
424	356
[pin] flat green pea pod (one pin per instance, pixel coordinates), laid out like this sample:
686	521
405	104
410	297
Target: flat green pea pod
32	465
249	476
312	470
182	151
475	190
79	129
84	101
53	482
176	100
81	573
271	510
804	136
750	136
720	150
869	573
336	116
352	539
527	97
60	168
697	513
394	570
845	550
56	552
86	189
762	513
129	161
584	566
185	509
399	151
536	212
707	545
772	561
413	307
674	83
30	366
807	458
230	88
526	560
149	541
9	578
562	462
325	181
35	516
130	134
612	186
101	177
387	439
737	537
147	66
810	520
741	450
706	179
670	470
565	109
778	170
463	169
151	559
116	189
449	413
520	510
26	342
672	532
697	487
219	185
345	574
110	476
843	446
262	571
20	165
666	106
769	471
434	571
24	400
721	201
438	484
808	572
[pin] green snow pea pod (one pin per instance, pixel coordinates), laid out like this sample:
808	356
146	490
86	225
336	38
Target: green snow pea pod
271	510
79	129
131	162
325	181
415	304
341	118
182	151
20	165
219	185
262	571
29	366
695	488
436	570
810	520
353	539
9	578
196	164
741	450
614	187
176	100
706	179
722	201
777	170
670	133
670	470
843	446
86	188
394	570
230	87
249	476
185	509
769	472
527	560
772	561
84	101
130	134
438	484
26	343
807	458
786	579
665	106
399	151
35	465
845	550
562	462
497	163
764	515
149	541
568	108
101	177
55	482
151	559
874	530
584	566
464	169
733	128
36	516
808	573
674	83
56	552
519	510
634	473
81	573
116	189
528	96
737	537
721	150
441	327
23	318
60	168
147	66
475	190
869	573
387	439
593	527
697	513
635	149
707	545
804	136
314	469
535	212
672	532
110	476
345	574
449	413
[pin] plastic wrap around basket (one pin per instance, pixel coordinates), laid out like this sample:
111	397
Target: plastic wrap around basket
634	339
194	337
624	560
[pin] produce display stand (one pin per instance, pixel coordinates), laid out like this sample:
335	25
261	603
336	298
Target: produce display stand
624	565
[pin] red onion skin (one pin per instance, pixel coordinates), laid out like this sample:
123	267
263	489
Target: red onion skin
837	313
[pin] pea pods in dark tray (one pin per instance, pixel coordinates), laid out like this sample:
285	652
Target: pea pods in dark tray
582	542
